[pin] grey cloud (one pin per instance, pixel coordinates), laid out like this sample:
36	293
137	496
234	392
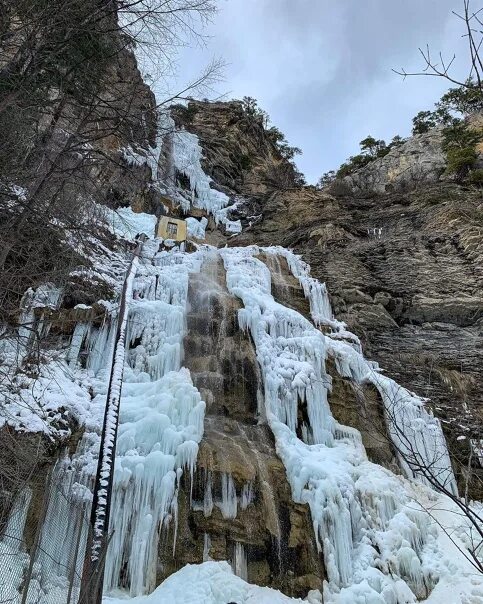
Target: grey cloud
322	69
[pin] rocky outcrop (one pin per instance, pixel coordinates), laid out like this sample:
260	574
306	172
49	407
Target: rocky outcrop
237	152
418	161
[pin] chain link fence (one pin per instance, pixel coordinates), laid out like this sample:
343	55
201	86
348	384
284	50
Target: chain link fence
44	531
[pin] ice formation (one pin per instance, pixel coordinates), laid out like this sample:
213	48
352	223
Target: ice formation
376	545
415	433
196	228
13	557
45	296
126	223
239	563
184	153
161	422
230	500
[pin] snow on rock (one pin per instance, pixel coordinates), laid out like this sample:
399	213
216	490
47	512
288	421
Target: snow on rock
39	404
233	226
126	223
378	546
212	583
196	228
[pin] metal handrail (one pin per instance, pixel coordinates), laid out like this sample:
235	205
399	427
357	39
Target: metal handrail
93	571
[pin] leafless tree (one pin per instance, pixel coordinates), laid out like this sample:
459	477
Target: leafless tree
439	66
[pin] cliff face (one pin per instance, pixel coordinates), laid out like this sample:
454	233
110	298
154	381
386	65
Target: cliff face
66	135
237	152
402	256
420	160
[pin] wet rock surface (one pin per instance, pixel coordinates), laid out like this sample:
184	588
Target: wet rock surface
240	502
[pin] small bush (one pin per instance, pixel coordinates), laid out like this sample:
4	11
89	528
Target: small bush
476	177
186	112
460	161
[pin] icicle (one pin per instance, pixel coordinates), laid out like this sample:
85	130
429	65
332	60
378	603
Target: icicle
247	495
229	503
239	562
80	331
206	548
208	495
100	342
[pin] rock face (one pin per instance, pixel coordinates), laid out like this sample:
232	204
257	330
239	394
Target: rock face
418	161
403	263
238	153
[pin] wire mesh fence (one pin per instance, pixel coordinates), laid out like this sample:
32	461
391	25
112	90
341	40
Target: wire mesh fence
43	539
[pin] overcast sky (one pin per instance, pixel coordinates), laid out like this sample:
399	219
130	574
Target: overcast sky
322	68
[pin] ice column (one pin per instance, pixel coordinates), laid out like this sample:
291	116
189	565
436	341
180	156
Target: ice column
161	423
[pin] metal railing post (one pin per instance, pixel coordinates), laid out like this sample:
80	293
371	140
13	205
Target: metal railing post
97	541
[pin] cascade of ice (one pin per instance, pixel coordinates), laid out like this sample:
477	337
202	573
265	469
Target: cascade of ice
196	228
100	342
317	295
64	529
81	330
161	421
375	544
229	502
416	434
208	495
57	566
45	296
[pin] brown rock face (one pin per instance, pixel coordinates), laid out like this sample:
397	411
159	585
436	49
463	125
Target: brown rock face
402	256
240	500
238	153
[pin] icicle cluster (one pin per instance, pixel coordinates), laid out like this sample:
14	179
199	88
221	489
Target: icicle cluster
161	422
185	154
376	545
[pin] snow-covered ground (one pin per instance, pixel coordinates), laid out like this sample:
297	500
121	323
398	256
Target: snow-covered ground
211	583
